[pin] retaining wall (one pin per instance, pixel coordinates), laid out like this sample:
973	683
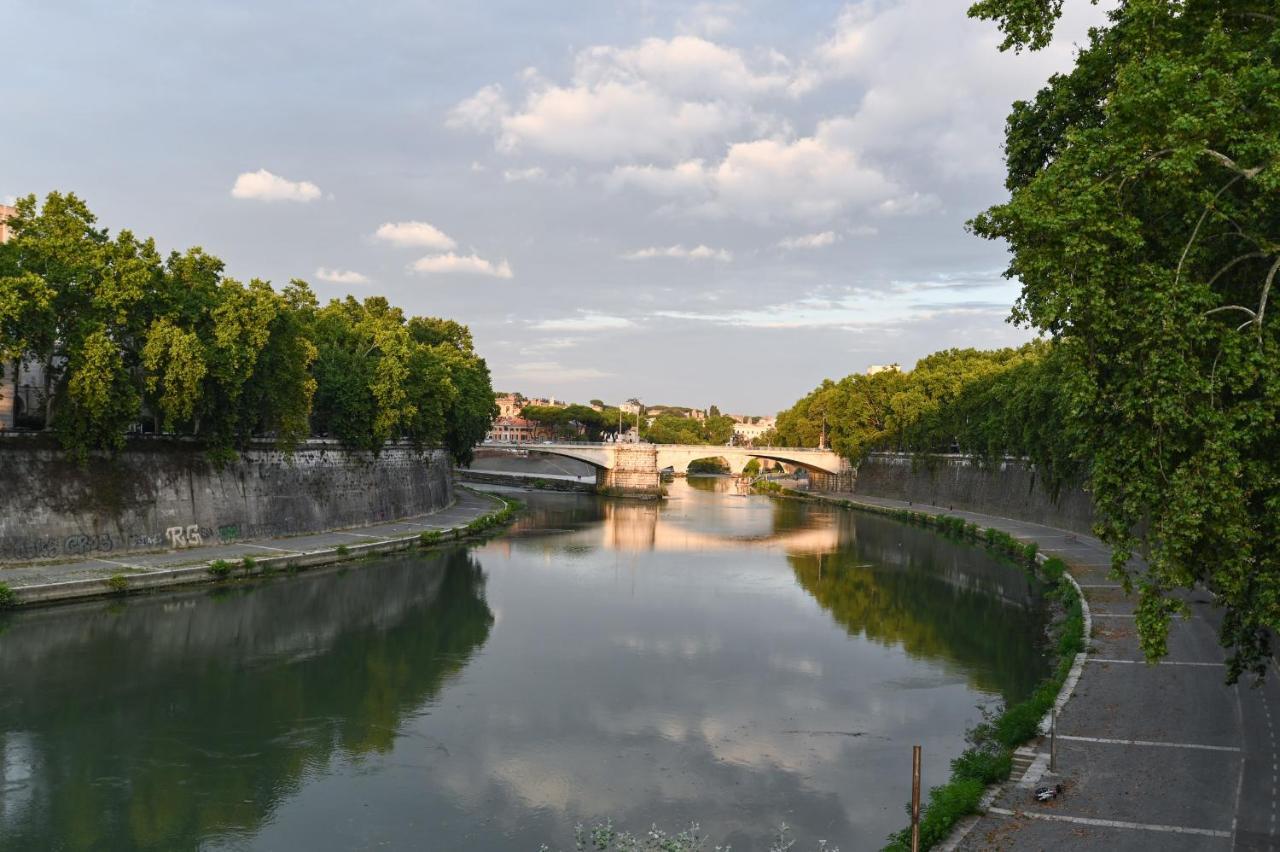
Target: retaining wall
1010	488
166	494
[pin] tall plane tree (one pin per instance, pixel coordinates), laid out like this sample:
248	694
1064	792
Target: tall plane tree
1144	224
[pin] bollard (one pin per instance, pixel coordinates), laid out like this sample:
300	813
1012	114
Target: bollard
915	799
1053	740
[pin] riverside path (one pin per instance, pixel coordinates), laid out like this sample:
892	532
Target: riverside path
42	582
1151	757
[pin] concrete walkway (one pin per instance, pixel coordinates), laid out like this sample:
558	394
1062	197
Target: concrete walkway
63	580
1162	757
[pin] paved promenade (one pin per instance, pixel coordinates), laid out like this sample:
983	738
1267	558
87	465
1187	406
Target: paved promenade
158	569
1162	757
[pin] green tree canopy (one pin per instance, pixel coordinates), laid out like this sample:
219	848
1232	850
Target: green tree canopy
126	340
1144	224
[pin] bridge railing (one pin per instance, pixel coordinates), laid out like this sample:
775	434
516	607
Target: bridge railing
525	444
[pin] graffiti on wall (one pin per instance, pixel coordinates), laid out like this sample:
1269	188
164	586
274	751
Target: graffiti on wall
183	537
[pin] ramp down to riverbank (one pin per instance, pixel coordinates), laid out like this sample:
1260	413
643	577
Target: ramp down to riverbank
1151	757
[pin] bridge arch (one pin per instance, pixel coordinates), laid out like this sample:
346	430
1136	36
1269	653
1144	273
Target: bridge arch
634	467
600	460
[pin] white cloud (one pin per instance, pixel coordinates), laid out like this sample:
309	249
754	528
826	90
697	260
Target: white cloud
699	252
684	66
613	120
415	234
912	204
552	343
262	185
709	19
687	178
554	371
536	173
462	264
936	94
585	321
483	111
862	231
812	177
660	98
808	241
341	276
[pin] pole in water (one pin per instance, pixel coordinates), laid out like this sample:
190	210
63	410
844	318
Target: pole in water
1053	740
915	799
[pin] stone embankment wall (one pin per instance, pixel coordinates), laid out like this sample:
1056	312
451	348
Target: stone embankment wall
167	494
1010	488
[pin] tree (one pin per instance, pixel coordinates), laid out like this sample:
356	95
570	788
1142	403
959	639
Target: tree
125	339
718	429
1144	226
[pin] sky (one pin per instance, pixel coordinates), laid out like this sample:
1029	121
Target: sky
689	203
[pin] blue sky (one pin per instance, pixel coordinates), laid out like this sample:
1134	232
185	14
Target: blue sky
692	203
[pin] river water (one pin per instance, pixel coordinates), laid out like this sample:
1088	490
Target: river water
733	661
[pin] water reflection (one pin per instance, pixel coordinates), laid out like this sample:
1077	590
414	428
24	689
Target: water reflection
168	720
731	660
931	597
703	513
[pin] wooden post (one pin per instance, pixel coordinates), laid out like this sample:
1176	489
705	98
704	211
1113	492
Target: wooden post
915	799
1053	740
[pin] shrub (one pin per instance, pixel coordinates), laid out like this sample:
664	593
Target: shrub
954	800
220	568
118	584
426	538
987	762
8	597
341	550
248	564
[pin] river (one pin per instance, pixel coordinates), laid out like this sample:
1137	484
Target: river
733	661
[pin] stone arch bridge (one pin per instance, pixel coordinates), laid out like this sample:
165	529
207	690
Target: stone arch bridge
636	468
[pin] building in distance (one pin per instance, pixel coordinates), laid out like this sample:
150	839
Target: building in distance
746	429
883	368
6	213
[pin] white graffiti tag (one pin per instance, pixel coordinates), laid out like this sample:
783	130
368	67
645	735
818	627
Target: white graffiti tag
188	536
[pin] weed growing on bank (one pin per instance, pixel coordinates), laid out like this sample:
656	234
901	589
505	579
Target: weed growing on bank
8	597
118	584
494	519
341	550
220	568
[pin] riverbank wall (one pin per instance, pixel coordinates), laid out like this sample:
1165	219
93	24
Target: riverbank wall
167	494
1008	488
